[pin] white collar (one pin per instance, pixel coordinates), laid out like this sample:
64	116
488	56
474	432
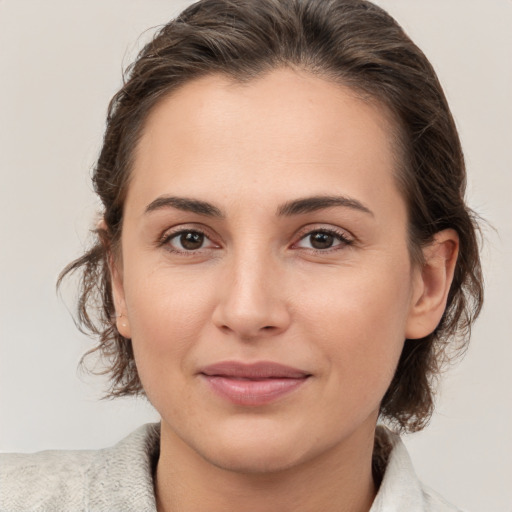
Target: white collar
400	489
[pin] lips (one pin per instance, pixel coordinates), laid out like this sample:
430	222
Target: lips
253	384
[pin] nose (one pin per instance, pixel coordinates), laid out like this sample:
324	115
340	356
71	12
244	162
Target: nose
252	299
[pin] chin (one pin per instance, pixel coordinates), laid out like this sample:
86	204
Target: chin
254	449
254	460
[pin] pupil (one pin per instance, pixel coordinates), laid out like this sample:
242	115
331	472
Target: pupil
322	240
191	241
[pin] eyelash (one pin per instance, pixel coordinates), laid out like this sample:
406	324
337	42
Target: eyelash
339	235
168	237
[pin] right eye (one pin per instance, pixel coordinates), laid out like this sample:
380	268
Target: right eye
188	240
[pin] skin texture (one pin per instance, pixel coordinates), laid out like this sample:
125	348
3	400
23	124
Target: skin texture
257	290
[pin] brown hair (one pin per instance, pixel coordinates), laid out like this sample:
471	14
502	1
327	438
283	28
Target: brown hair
352	42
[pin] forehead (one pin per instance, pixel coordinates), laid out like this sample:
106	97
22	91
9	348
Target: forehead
285	130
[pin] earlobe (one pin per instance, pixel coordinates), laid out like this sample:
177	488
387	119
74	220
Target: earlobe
433	284
123	325
122	321
116	277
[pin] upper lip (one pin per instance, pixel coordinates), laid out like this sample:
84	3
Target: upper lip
258	370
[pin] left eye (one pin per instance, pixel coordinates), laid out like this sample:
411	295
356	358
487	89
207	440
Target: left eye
322	240
189	240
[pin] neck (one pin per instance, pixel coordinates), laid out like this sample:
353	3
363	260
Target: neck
339	480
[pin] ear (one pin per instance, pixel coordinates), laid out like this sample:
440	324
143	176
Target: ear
432	283
115	266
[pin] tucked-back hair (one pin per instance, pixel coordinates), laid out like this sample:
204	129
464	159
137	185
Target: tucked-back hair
351	42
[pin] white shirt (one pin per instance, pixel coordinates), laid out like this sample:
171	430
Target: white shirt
400	490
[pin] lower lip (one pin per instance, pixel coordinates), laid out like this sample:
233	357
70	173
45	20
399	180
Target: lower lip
253	392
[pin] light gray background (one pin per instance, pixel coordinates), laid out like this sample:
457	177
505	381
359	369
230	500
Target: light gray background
60	62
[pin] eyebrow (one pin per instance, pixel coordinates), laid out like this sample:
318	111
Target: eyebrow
295	207
312	204
185	204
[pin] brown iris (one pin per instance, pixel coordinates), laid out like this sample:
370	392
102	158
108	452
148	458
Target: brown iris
320	240
191	240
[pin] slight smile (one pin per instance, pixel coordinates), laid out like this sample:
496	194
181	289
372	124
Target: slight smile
253	384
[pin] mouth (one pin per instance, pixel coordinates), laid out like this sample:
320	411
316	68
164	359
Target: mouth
253	384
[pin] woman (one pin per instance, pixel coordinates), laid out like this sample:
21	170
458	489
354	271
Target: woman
284	254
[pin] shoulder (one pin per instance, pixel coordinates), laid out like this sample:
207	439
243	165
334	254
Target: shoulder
436	503
42	481
114	478
401	490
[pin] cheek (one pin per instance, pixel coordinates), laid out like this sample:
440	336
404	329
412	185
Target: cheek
167	312
358	322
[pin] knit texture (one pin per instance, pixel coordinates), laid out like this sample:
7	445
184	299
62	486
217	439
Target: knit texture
117	479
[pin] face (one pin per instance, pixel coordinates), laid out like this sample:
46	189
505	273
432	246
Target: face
264	275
